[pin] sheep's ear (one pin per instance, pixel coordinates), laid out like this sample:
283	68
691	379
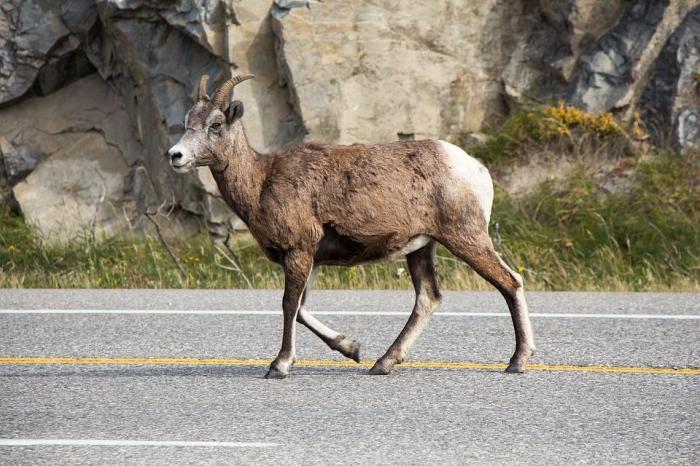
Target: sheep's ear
234	112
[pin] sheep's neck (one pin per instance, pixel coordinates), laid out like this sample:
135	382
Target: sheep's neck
240	180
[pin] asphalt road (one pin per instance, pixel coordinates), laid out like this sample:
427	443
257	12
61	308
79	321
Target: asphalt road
329	411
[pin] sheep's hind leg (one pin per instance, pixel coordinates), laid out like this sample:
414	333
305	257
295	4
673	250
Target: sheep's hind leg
421	265
336	341
479	253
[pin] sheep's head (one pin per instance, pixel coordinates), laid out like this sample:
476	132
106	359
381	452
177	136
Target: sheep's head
209	128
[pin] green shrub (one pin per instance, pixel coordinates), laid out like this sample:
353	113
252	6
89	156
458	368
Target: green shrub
528	132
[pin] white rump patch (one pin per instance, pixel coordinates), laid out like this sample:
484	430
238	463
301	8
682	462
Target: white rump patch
468	170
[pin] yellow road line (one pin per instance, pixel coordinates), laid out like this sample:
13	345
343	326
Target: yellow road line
330	363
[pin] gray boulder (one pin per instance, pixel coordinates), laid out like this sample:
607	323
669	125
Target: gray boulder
40	43
79	190
67	156
670	102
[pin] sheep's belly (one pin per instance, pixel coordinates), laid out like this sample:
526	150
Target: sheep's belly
414	244
337	249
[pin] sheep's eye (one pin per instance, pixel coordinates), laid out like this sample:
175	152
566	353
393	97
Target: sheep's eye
215	126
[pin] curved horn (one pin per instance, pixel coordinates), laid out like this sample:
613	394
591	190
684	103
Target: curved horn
222	95
203	87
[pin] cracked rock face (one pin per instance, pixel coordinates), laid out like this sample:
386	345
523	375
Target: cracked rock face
366	71
149	56
372	71
101	86
606	71
616	56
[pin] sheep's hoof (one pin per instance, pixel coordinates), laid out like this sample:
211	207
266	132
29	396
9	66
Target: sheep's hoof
352	351
517	363
380	369
275	373
515	367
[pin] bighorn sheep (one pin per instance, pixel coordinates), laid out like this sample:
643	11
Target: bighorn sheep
314	204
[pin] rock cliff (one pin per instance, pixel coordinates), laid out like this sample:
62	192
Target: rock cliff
92	92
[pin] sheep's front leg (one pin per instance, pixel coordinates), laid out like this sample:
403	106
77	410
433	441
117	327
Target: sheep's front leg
297	268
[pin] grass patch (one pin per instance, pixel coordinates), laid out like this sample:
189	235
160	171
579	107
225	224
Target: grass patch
576	235
138	262
142	262
568	235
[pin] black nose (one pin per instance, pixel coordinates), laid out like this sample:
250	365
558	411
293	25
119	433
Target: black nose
175	155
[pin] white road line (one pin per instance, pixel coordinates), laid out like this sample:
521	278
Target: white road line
247	312
128	443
